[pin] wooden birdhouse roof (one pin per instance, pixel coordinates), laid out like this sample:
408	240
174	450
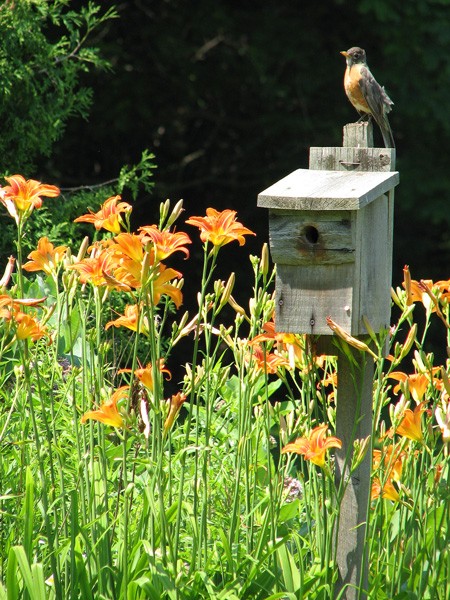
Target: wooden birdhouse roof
308	189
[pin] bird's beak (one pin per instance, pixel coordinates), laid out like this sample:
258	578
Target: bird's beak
344	53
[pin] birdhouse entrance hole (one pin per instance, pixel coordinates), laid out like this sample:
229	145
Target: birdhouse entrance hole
311	234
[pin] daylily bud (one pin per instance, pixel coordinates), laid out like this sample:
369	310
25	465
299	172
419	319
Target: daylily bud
8	272
218	287
164	211
395	297
358	344
235	306
176	212
182	322
360	448
83	249
407	285
264	264
408	342
226	293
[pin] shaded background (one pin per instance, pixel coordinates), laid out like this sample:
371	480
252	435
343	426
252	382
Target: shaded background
230	95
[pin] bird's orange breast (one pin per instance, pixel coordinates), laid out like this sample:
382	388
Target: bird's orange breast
353	89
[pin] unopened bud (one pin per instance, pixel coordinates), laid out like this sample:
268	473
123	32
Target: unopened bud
176	212
407	285
8	272
163	212
264	264
408	342
83	249
218	287
235	306
360	448
226	294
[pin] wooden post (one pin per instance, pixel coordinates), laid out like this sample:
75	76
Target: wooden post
355	385
331	230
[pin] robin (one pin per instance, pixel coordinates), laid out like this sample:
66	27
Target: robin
366	94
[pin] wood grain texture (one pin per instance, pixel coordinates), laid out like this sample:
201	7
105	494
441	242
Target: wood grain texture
352	159
353	422
307	189
358	135
312	237
305	296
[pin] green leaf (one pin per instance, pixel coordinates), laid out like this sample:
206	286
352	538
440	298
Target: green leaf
28	514
289	511
3	593
12	583
24	567
81	571
37	572
289	569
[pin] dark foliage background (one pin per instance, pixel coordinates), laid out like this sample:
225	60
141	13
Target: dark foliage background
230	95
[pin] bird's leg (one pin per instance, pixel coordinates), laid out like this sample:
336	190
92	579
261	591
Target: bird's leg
364	117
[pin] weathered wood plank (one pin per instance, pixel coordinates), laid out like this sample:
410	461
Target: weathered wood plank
358	135
307	295
307	189
353	422
374	272
311	237
352	159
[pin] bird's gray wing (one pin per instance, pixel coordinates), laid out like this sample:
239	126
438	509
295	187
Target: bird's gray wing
379	104
375	95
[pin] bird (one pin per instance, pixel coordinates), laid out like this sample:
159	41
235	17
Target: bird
366	94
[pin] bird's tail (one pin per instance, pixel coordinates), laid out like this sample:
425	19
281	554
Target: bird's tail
386	132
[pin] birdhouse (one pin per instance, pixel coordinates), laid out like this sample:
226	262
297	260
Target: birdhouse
331	239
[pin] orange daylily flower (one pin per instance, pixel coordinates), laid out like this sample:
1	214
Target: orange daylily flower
330	379
162	286
175	405
416	290
410	425
293	344
417	383
22	195
270	335
109	216
267	361
444	289
27	326
127	255
96	268
220	228
392	459
128	245
130	320
108	412
314	446
46	258
387	491
145	374
166	242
